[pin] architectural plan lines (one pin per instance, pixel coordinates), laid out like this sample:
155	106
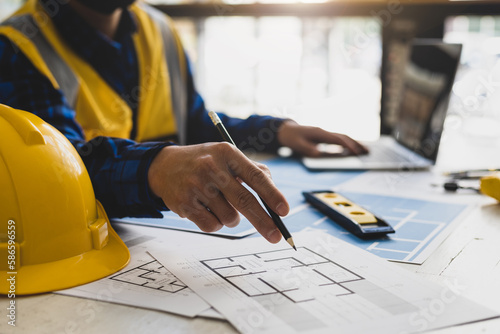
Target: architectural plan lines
151	275
325	286
146	283
420	225
244	273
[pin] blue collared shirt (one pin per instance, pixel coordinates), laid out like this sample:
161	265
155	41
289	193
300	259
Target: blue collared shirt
117	167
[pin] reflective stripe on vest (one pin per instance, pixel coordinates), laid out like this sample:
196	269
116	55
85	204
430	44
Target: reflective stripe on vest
63	74
177	70
68	80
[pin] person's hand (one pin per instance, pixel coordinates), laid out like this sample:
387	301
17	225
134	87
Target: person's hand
304	140
203	183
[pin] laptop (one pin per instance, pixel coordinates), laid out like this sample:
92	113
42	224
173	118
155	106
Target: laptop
428	78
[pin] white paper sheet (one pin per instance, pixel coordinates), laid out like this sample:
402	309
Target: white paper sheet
144	282
326	286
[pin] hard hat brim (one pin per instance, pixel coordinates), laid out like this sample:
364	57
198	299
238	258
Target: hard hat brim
70	272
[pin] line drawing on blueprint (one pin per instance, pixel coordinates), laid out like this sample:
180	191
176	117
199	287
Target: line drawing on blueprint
151	275
325	286
241	269
432	227
308	285
420	225
145	283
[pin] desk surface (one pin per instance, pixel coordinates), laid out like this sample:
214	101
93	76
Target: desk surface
469	258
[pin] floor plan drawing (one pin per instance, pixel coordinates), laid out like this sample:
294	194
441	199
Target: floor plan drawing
247	273
151	275
325	286
146	283
306	283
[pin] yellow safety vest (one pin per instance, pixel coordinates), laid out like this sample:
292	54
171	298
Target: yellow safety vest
99	109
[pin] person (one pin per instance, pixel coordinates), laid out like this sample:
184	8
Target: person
112	76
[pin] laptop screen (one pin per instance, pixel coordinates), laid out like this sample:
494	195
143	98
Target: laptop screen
428	80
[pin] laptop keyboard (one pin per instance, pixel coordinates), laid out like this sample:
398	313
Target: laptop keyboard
381	153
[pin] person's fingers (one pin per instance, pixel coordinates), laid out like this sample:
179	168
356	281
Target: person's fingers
257	179
203	218
225	212
322	136
352	145
307	148
303	140
246	203
263	167
262	184
194	179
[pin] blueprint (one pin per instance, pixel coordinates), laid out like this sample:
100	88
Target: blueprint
144	282
420	224
150	275
325	286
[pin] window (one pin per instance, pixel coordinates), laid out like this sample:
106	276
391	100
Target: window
7	7
319	71
475	105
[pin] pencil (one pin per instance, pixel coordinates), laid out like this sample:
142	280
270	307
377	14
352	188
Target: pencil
274	216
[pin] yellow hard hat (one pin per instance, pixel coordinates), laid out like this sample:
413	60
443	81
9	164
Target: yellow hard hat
54	234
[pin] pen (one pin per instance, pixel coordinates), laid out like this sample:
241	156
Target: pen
471	174
274	216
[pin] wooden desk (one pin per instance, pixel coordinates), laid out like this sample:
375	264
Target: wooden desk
469	259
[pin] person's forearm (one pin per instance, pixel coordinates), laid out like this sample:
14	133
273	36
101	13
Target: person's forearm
118	169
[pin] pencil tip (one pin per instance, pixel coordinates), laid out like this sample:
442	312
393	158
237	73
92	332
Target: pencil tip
290	241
